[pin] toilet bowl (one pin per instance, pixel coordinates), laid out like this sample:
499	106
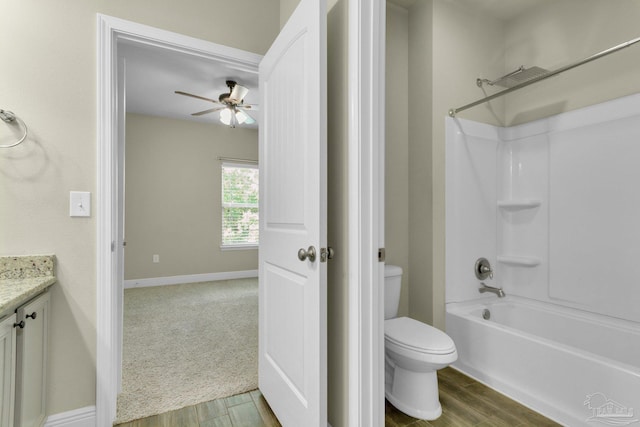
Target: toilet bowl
414	351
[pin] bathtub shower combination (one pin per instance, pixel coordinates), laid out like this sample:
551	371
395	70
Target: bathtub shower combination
554	206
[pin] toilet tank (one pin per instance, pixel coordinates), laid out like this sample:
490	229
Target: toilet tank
392	285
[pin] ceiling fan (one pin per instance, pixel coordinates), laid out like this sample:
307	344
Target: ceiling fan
232	109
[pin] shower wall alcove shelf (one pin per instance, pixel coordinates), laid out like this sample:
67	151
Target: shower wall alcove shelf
518	204
518	261
513	206
535	77
11	119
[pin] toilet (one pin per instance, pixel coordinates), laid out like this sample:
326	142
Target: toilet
414	351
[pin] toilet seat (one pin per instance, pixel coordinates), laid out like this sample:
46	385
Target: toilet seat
412	335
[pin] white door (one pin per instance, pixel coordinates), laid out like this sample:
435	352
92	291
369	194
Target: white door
293	296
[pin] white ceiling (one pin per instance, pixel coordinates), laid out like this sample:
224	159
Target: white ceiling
153	74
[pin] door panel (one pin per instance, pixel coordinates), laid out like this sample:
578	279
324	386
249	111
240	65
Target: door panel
285	105
284	345
293	361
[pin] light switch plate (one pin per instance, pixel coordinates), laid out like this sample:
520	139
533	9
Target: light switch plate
79	203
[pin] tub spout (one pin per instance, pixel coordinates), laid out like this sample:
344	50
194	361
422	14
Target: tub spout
486	288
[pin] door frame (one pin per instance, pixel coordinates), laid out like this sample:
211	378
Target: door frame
366	75
366	194
112	30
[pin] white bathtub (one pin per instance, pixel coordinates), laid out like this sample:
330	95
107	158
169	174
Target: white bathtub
561	362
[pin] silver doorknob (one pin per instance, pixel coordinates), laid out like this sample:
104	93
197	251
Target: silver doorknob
309	254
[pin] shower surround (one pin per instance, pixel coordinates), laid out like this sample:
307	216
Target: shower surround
554	205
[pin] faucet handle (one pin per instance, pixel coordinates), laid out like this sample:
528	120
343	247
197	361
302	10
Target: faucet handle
483	269
486	270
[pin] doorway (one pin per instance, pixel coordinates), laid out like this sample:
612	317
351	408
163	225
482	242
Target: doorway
195	340
365	129
113	32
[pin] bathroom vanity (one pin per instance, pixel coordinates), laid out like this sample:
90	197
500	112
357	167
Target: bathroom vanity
24	318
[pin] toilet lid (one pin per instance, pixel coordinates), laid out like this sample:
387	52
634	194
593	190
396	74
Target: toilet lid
417	336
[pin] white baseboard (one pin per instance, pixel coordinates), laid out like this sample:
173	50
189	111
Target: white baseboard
189	278
83	417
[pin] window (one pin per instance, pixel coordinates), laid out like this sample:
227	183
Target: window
239	205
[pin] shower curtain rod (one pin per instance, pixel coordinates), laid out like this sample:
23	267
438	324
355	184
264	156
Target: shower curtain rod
454	111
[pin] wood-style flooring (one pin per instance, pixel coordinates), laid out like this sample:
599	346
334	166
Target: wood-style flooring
242	410
465	403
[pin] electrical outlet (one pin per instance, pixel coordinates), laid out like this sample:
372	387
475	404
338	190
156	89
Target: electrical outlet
156	258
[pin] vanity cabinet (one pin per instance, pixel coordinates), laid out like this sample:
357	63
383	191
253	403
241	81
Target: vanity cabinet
31	362
7	370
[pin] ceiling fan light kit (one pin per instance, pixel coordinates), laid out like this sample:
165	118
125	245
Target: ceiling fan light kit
241	116
238	93
230	117
226	116
232	110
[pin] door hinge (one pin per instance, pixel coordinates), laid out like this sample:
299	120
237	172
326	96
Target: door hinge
113	246
381	255
326	253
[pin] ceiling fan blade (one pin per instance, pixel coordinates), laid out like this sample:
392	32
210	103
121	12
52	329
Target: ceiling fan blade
238	93
250	120
210	110
179	92
253	107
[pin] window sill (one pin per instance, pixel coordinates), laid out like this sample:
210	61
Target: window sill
238	247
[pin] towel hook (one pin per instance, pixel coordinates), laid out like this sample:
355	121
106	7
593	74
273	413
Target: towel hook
10	118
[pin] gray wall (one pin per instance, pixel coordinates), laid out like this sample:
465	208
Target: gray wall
286	9
420	117
397	147
337	221
554	36
173	189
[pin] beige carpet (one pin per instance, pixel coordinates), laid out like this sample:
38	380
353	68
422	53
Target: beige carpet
187	344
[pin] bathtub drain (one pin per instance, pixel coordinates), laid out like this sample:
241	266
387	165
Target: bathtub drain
486	314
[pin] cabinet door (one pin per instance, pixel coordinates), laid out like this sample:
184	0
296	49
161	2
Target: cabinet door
7	370
31	367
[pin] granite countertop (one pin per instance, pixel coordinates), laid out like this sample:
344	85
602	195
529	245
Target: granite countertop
23	277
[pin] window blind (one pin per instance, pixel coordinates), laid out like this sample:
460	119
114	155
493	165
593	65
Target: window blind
240	205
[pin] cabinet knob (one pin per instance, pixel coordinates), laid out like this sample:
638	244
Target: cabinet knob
32	315
19	324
